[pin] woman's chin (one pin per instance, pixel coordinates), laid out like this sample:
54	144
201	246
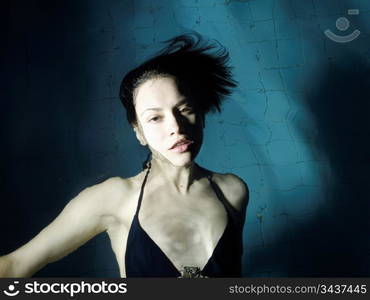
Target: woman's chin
176	159
183	161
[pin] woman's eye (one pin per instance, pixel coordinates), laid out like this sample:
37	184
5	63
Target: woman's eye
154	119
186	109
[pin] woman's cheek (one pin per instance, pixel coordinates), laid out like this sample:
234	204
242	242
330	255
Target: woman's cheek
154	138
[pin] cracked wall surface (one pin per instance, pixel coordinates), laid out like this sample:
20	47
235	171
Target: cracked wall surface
295	129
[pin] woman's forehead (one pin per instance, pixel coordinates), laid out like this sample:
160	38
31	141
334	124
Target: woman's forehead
158	92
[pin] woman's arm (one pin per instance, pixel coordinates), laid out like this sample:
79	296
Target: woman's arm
85	216
5	266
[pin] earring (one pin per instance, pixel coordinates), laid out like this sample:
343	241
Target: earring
147	163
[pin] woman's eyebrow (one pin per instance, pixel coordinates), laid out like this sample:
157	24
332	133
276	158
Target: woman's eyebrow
153	108
182	102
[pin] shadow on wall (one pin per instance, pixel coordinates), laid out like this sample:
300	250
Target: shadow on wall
339	244
340	105
335	241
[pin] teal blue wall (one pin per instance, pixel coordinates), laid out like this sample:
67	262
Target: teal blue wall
296	129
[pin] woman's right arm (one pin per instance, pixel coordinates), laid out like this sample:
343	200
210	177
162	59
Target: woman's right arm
85	216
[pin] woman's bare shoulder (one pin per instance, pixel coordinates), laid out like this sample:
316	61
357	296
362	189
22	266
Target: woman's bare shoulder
109	195
117	188
113	198
234	189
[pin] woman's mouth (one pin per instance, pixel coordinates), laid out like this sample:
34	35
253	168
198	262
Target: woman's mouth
182	146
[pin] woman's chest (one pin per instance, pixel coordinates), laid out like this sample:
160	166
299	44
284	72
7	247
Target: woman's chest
183	230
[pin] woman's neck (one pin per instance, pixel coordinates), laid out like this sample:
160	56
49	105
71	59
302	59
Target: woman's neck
178	177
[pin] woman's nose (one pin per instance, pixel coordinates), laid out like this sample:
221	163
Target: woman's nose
174	125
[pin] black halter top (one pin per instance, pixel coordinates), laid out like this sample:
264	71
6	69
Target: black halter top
144	258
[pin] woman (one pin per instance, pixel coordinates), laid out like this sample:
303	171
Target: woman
175	218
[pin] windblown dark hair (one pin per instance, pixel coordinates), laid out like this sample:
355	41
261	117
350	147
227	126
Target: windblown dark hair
203	77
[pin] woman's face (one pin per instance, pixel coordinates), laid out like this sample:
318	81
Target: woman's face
167	122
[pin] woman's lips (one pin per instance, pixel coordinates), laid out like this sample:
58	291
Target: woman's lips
181	148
